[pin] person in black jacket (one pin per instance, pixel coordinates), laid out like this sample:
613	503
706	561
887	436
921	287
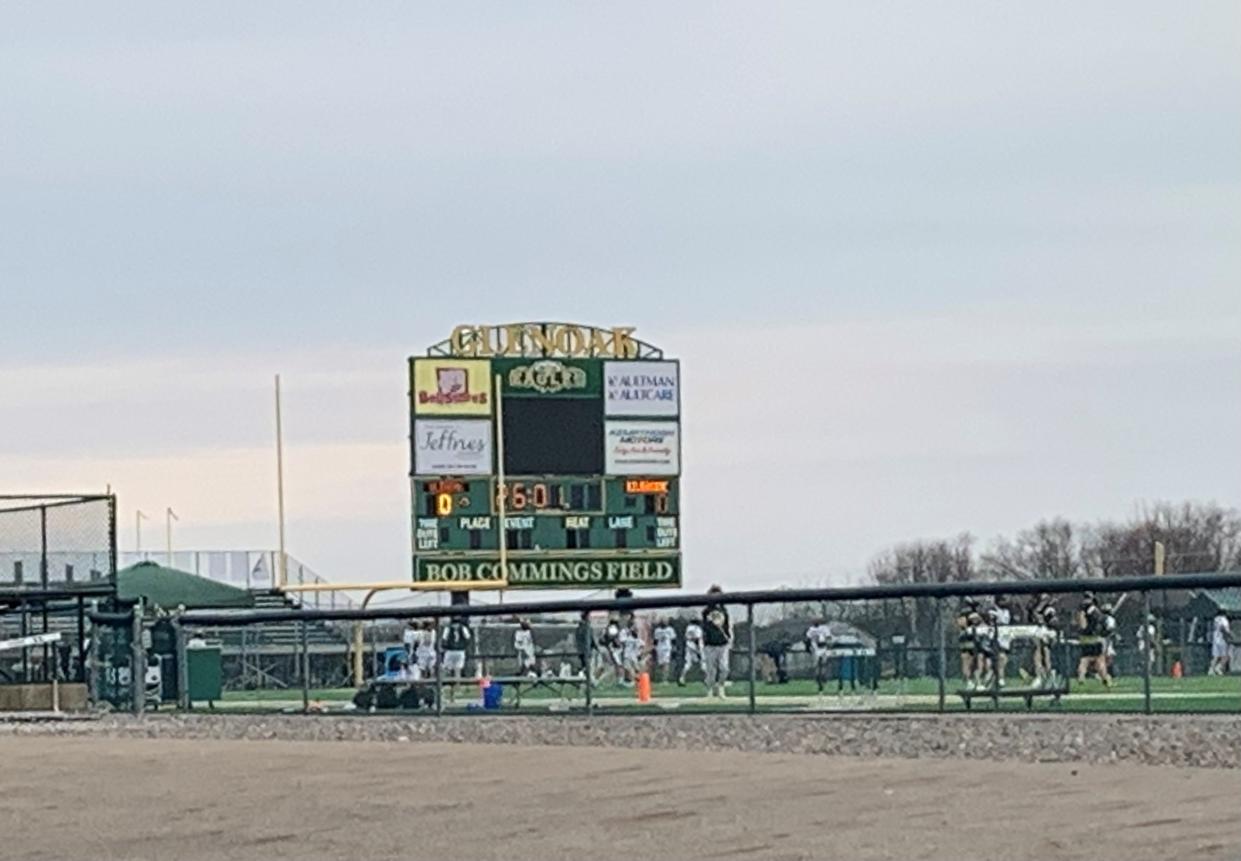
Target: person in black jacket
717	638
455	639
587	646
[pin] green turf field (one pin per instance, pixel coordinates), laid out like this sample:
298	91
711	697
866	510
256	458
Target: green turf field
1196	694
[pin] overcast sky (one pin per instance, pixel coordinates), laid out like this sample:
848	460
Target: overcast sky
930	268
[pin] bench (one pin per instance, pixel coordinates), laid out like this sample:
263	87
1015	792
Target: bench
995	694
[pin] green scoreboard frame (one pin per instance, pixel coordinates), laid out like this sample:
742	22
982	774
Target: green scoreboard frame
582	423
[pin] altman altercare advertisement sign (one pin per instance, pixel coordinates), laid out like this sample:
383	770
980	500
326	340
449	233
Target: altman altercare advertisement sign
641	388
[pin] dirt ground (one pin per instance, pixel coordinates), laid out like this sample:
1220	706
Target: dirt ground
160	799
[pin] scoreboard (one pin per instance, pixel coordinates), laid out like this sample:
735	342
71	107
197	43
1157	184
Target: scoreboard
546	455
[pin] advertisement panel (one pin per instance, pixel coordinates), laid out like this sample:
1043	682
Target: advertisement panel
459	387
452	446
642	448
572	571
550	378
641	388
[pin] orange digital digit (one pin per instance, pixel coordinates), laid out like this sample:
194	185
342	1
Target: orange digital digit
443	504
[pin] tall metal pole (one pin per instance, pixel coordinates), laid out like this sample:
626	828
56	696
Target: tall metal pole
502	490
138	518
280	574
749	618
169	517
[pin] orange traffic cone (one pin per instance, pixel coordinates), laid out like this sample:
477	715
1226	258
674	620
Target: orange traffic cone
1177	670
643	687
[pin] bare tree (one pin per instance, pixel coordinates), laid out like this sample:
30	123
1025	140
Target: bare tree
924	562
1198	537
1051	550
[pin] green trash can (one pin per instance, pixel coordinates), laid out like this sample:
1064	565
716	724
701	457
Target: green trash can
204	664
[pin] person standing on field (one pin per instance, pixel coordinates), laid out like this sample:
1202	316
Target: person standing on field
456	639
1221	644
717	637
523	645
665	636
819	644
693	651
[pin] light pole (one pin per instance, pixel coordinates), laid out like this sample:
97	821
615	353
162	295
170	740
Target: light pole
169	517
139	516
281	572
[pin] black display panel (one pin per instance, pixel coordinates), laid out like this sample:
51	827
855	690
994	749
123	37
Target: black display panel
545	436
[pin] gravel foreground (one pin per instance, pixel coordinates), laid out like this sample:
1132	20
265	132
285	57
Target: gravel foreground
1202	741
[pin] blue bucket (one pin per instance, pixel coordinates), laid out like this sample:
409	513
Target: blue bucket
492	694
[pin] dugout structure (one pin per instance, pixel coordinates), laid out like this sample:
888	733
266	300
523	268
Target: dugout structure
57	569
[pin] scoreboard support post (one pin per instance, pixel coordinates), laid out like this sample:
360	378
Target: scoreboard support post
502	506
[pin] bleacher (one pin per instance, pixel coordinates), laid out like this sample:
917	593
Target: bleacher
279	638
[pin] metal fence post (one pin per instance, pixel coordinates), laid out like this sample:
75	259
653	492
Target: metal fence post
183	667
1148	653
943	650
439	671
305	667
589	669
749	618
80	675
137	661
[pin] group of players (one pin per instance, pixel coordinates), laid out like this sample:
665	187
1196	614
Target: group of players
985	636
620	650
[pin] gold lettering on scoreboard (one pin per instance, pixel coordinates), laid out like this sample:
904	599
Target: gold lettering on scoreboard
553	339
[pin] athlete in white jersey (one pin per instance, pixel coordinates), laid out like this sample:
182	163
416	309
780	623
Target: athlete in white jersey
665	636
409	638
693	650
1221	644
424	649
818	642
632	647
523	644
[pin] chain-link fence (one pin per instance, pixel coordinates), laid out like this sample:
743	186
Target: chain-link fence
50	541
57	558
1123	645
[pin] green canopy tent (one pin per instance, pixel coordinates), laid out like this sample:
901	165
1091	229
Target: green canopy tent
170	588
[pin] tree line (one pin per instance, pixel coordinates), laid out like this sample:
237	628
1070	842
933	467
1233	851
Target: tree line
1196	537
